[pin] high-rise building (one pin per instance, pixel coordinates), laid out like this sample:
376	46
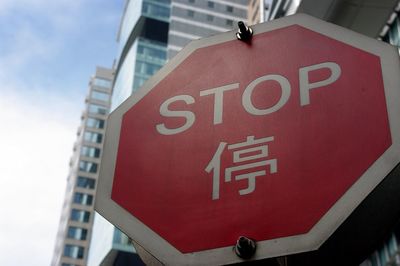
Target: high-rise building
142	51
142	45
75	227
151	32
194	19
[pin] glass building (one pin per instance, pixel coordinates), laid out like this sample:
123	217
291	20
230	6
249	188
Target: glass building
142	45
151	32
142	51
75	227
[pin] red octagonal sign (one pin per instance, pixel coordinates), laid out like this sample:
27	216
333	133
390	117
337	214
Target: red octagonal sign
278	140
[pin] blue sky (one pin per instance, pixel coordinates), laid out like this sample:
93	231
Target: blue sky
48	51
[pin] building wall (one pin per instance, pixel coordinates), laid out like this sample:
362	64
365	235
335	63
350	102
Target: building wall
75	227
194	19
142	43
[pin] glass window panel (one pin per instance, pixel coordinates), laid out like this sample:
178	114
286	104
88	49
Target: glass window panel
85	182
89	167
210	4
73	251
153	9
83	198
94	137
101	96
229	9
102	82
95	123
80	216
90	152
77	233
97	109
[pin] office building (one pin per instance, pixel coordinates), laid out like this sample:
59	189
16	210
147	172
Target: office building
75	227
151	32
194	19
142	51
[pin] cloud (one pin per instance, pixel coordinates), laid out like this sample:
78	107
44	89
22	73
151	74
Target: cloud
35	150
48	51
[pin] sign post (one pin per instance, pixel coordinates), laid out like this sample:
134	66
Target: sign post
276	140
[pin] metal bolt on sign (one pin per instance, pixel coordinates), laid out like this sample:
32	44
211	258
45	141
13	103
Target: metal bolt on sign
245	247
244	33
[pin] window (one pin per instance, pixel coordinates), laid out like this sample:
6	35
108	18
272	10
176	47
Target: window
191	1
94	137
101	96
85	182
229	9
82	198
90	152
210	18
146	68
210	4
152	52
95	123
77	233
138	82
97	109
229	22
102	82
80	216
190	13
155	10
89	167
73	251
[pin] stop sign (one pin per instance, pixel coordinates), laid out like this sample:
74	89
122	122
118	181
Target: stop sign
278	139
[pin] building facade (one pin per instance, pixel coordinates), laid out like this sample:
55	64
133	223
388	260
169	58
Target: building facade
142	51
142	45
75	227
151	32
194	19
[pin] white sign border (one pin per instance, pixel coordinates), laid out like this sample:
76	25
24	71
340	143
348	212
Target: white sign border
169	255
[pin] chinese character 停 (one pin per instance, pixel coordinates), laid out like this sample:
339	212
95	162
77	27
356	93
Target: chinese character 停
254	150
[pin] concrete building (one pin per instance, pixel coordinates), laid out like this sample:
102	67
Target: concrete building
194	19
75	227
150	33
142	51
